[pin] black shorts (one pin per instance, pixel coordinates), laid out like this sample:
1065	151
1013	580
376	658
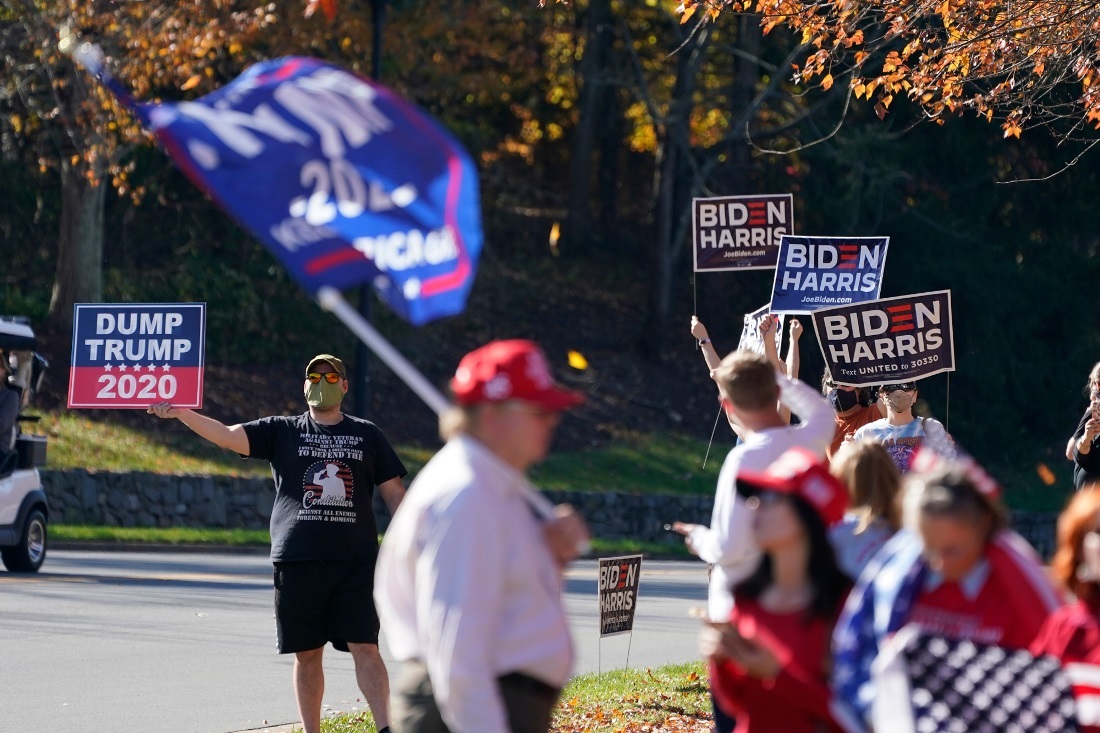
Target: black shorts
320	602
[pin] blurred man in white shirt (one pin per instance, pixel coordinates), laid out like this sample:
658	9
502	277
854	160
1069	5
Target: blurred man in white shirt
469	573
748	389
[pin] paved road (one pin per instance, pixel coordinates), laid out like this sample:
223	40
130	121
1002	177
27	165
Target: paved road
179	643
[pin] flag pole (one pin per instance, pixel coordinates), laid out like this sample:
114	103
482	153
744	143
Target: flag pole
330	299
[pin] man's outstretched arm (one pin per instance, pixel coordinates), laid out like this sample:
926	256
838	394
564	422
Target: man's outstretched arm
232	437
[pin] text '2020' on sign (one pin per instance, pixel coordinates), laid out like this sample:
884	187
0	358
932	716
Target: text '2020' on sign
133	355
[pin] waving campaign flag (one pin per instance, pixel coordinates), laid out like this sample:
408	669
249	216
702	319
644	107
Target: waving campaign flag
344	181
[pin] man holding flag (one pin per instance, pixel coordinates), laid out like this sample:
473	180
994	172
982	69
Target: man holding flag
348	185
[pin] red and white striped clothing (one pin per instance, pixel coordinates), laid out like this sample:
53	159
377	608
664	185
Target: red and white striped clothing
975	608
1072	634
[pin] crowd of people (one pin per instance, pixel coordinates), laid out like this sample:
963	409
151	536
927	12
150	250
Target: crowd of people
906	530
840	518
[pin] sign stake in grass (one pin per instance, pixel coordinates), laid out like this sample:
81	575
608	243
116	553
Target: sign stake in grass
617	594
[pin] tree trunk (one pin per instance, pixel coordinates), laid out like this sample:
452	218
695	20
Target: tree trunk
673	144
599	32
610	139
717	292
660	277
79	274
745	81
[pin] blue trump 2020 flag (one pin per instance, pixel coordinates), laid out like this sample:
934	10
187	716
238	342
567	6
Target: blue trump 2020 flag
344	181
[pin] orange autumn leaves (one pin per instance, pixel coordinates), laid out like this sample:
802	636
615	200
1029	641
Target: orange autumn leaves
1022	64
659	703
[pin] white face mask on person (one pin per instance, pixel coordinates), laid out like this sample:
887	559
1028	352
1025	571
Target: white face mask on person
900	400
324	395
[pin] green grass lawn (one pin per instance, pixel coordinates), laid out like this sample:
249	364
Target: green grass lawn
160	536
650	463
76	441
671	698
260	538
660	464
636	464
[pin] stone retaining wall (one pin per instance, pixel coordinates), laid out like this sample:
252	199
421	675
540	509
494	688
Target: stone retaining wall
158	500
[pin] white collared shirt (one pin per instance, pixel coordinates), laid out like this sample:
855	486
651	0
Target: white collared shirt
728	543
466	583
970	584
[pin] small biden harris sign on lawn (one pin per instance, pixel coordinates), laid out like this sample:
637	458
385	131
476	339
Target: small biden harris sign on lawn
618	593
134	355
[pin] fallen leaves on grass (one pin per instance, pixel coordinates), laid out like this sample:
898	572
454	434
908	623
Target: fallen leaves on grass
661	703
629	720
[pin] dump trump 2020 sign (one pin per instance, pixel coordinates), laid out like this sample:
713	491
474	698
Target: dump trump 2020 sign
618	593
137	354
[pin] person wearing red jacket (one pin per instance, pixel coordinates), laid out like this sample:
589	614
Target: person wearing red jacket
770	662
1072	633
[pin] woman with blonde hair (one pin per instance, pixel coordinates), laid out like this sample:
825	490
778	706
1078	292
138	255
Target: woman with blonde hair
956	570
873	516
1072	633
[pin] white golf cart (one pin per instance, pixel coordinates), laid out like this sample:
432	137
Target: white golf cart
24	511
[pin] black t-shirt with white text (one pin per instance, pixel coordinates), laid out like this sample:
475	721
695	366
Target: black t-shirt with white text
324	485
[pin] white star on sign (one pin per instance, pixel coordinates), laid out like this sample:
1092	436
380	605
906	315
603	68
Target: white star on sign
122	367
151	367
107	367
137	367
166	368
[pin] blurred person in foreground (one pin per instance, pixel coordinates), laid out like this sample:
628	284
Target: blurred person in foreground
955	569
324	539
1084	446
750	390
470	570
1072	633
874	514
770	661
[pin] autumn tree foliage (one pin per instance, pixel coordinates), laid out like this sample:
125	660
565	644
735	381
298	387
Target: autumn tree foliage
59	120
1026	63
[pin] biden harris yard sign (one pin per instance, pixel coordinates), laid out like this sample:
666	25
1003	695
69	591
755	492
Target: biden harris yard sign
618	593
750	330
890	340
819	272
740	232
136	354
343	180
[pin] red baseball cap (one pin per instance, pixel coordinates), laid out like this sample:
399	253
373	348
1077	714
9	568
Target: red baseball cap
804	474
509	370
